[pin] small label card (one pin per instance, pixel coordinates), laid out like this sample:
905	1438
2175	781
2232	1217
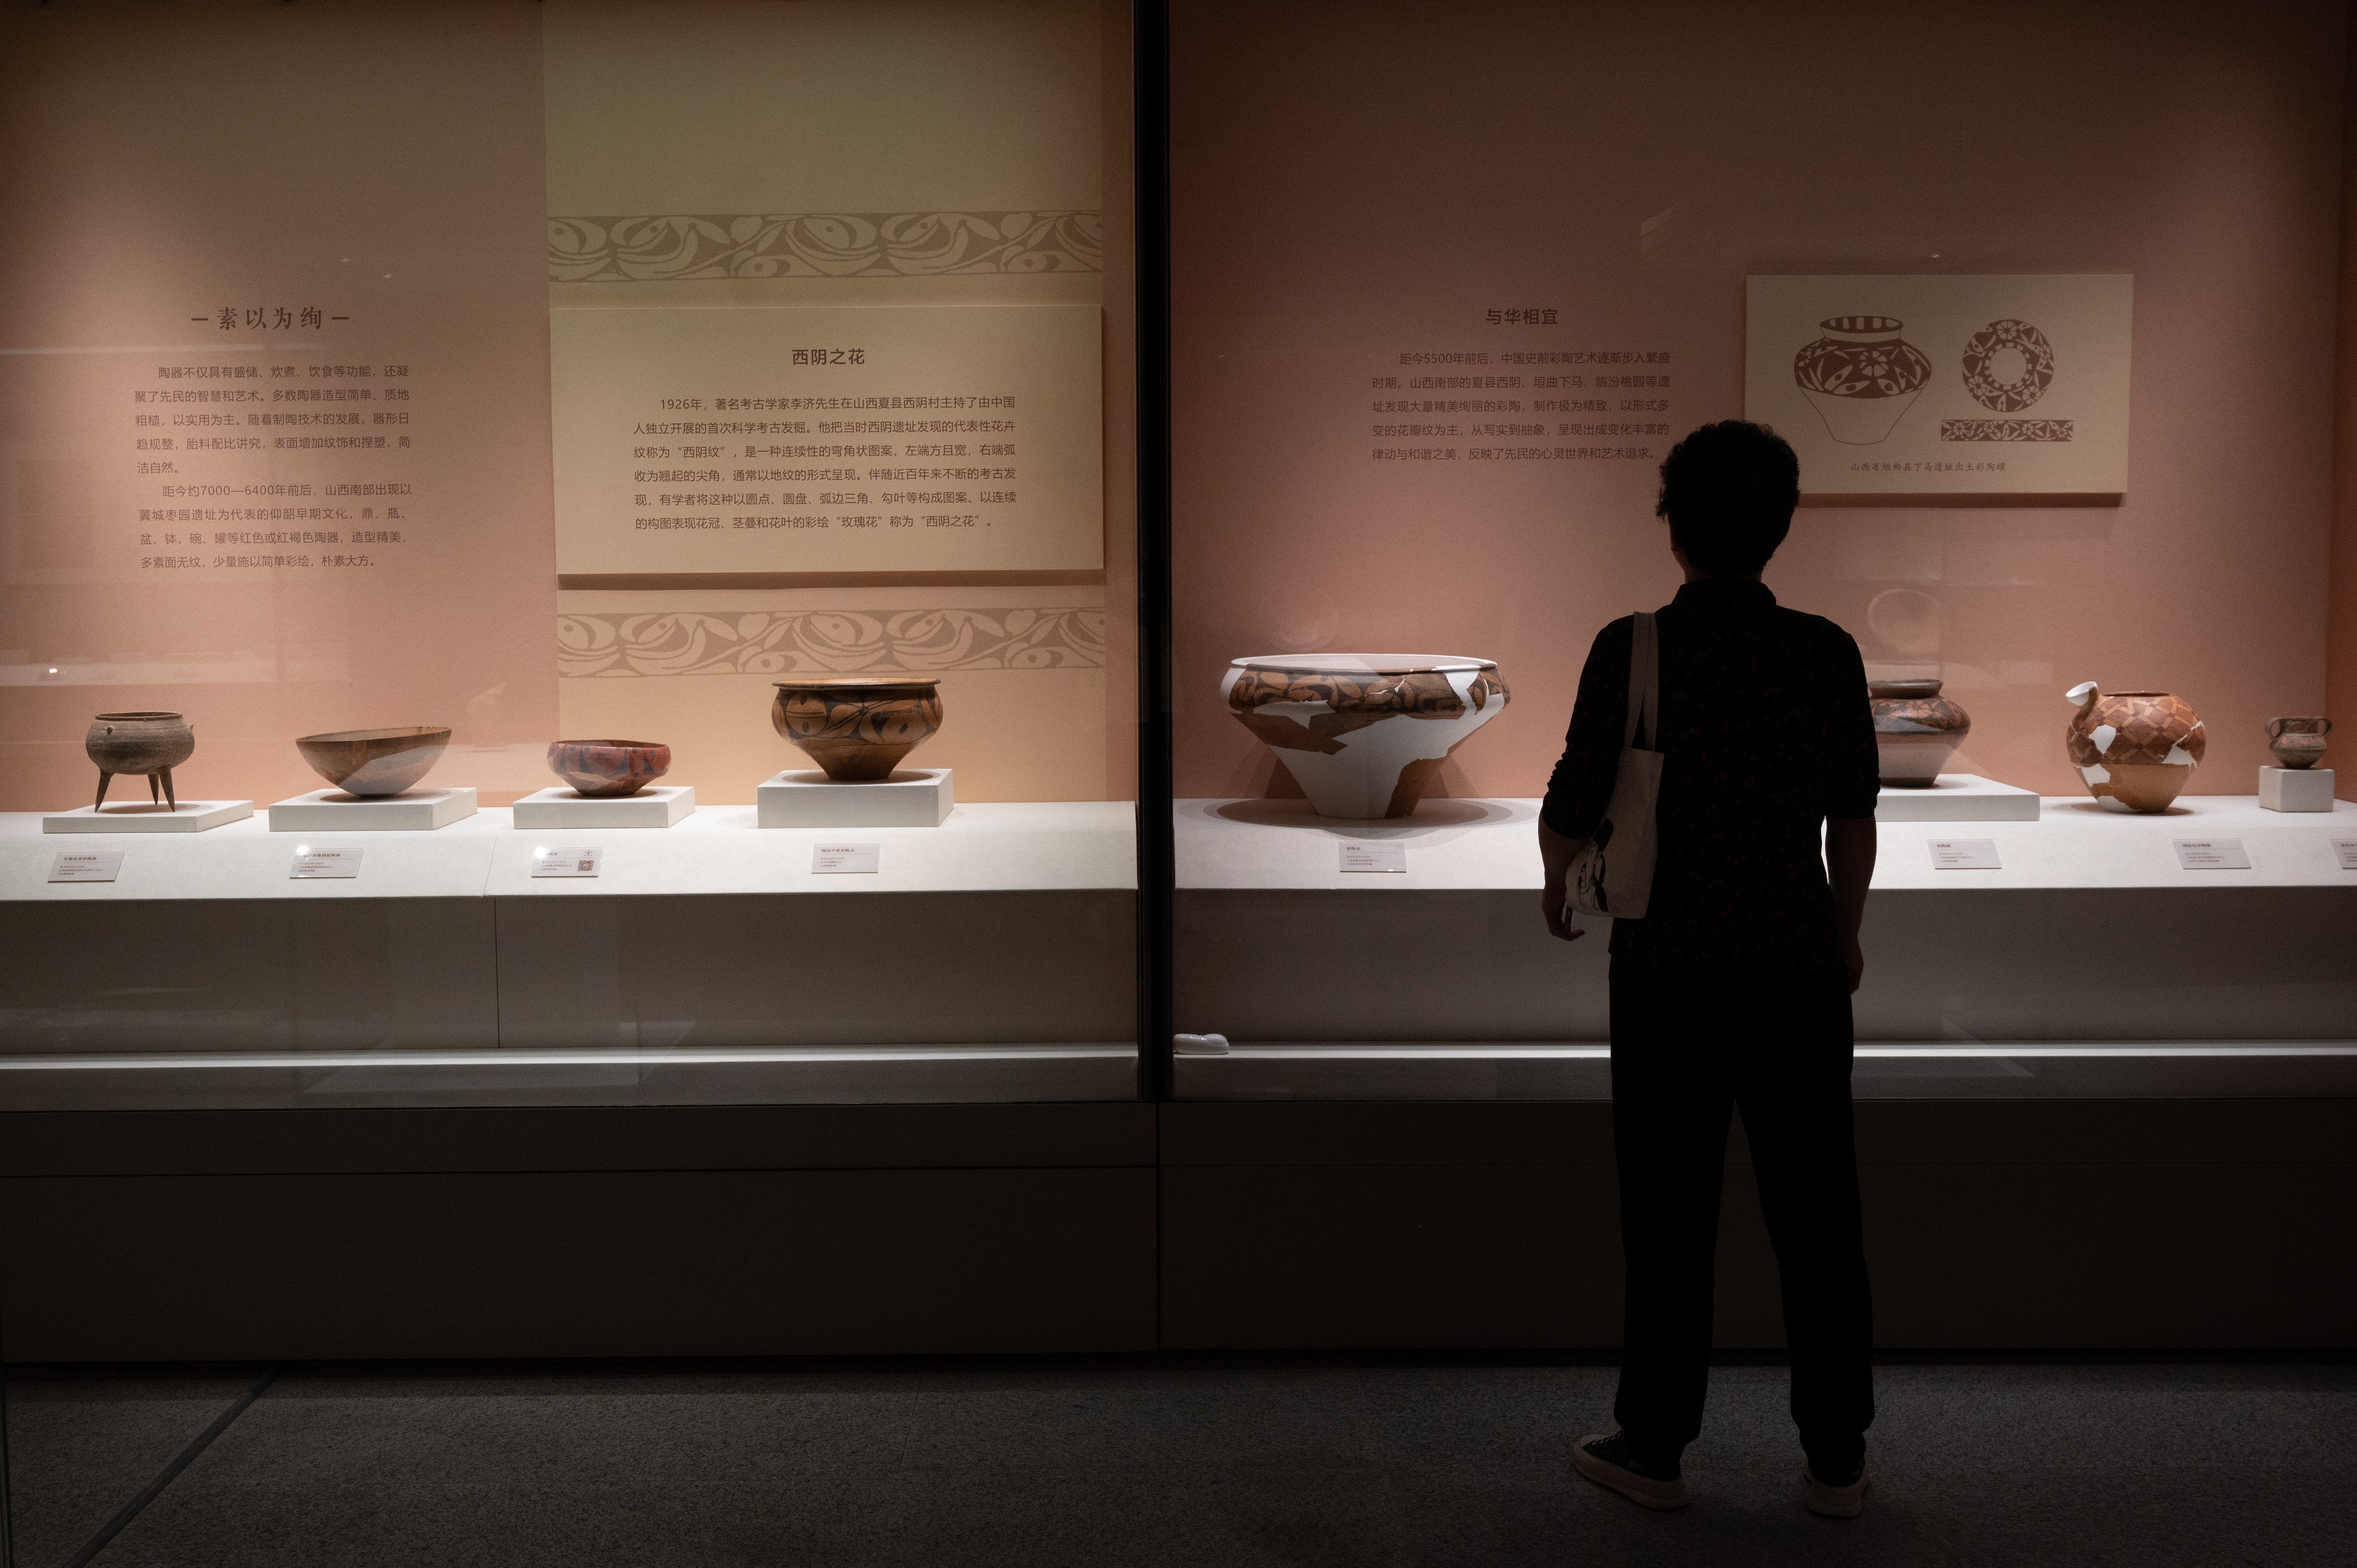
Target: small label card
1965	855
2212	854
322	863
1383	854
846	858
2346	850
565	862
97	865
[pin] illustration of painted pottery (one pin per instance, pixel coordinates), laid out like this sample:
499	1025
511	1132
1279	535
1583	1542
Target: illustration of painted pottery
2297	743
607	768
151	744
858	728
2136	750
1861	376
1916	730
1364	734
376	762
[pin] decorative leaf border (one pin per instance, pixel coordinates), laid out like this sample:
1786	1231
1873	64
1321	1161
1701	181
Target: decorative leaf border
669	248
770	642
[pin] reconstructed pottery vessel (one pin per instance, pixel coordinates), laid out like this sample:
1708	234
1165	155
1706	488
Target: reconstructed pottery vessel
150	743
605	769
1861	375
2136	750
374	762
2297	743
1916	730
1364	734
858	728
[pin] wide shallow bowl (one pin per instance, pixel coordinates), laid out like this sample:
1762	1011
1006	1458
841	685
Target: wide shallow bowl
859	727
1364	734
374	762
605	769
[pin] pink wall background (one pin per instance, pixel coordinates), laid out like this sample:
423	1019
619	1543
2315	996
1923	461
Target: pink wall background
1355	180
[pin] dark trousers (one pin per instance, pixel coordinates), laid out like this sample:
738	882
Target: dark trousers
1691	1044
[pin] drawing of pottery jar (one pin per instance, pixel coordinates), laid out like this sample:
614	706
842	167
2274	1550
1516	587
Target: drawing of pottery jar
2136	750
2297	743
150	743
1916	730
1364	734
859	727
1861	375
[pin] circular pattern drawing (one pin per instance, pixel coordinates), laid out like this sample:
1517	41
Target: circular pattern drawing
2008	366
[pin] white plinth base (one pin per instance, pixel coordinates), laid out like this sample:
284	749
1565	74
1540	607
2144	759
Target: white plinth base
557	808
139	817
2296	789
1956	798
332	810
912	797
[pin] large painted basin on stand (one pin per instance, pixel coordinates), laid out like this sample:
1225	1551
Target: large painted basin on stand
1364	734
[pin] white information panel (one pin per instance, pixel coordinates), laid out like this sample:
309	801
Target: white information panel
2212	854
1965	855
315	864
100	865
835	858
572	862
1380	855
2346	850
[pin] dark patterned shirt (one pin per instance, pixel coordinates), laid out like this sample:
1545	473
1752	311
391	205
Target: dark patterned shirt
1767	732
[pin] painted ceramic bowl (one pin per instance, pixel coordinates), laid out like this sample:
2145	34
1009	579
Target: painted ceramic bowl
2136	750
603	769
148	743
858	728
1860	376
1364	734
374	762
2297	743
1916	730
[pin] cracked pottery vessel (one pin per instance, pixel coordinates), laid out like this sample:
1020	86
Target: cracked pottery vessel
2297	743
148	743
1364	734
2136	750
858	728
1860	376
607	769
1916	730
374	763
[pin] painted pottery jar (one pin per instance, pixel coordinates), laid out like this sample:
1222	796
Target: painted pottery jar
2297	743
150	743
1861	376
1364	734
605	769
1916	730
858	728
374	763
2136	750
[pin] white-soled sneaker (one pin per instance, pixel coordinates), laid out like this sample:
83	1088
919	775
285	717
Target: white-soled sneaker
1608	1461
1836	1502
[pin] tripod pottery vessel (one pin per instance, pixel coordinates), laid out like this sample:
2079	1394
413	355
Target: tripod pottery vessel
150	743
604	769
1916	730
1860	376
1364	734
858	728
2136	750
2297	743
374	763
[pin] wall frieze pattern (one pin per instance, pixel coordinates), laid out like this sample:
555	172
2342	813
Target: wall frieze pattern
809	642
666	248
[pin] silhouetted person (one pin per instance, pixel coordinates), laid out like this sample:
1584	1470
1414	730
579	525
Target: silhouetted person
1733	991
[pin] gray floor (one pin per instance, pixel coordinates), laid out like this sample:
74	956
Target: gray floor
1363	1461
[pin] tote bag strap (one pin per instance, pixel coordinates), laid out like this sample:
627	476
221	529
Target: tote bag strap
1645	683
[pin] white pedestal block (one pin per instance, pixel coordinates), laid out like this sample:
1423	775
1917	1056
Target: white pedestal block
332	810
912	797
1956	798
558	808
2296	789
129	817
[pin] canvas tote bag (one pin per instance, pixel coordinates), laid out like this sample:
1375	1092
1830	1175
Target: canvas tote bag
1614	875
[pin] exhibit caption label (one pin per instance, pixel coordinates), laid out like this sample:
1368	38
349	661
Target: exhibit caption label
1965	855
838	858
1379	856
565	862
2346	850
99	865
2212	854
320	863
